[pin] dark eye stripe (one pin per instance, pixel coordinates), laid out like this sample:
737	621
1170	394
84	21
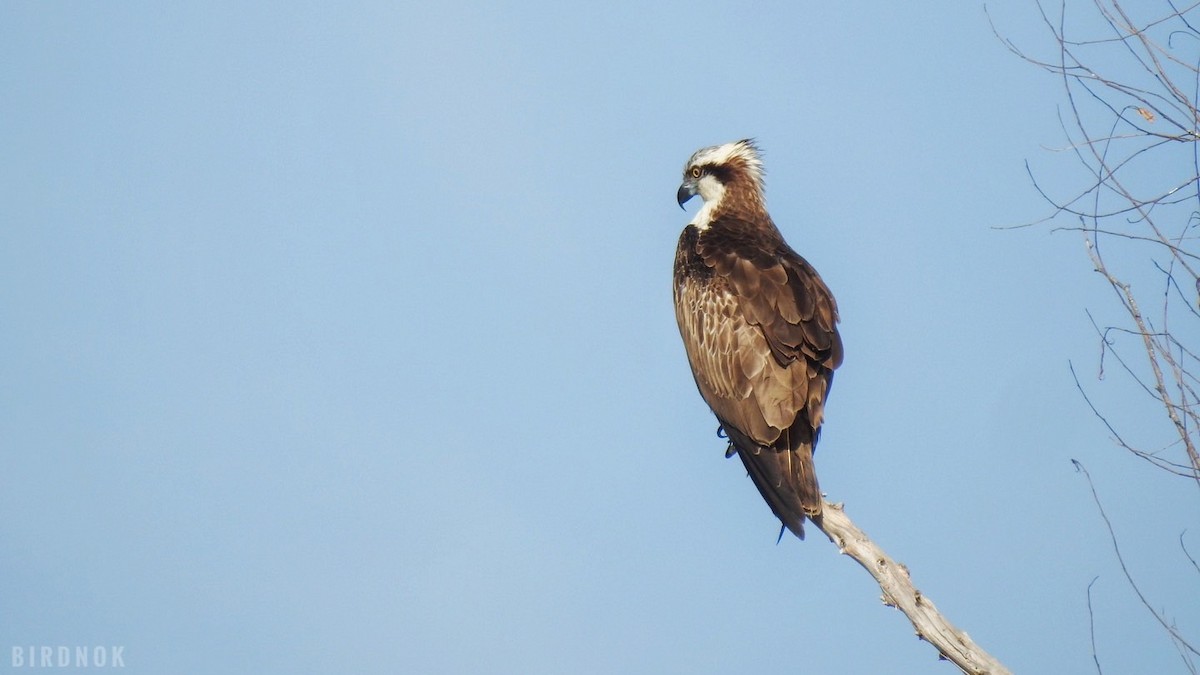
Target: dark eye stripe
719	171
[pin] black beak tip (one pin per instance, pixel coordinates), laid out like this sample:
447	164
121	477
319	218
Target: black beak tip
682	196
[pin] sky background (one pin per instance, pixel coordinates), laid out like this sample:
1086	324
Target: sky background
340	339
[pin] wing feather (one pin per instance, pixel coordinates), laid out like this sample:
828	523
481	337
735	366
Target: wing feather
759	326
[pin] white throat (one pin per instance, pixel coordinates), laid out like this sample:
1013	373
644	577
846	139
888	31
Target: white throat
711	191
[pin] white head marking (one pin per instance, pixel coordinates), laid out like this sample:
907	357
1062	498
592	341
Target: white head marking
744	150
744	153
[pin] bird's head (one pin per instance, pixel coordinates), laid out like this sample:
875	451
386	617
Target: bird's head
713	172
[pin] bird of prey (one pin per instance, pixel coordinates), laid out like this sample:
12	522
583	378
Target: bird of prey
759	326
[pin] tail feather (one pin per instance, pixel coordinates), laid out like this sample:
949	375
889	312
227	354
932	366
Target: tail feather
787	480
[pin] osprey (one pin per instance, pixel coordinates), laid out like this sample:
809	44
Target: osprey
759	326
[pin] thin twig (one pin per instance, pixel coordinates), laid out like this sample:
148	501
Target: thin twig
1167	626
1092	626
1187	552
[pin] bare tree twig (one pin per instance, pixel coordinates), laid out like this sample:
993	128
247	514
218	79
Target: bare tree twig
1122	130
1187	552
1092	626
953	644
1153	458
1168	626
1131	119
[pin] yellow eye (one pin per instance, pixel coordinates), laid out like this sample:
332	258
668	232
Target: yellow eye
695	172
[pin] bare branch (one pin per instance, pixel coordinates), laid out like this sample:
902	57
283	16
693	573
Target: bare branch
1131	120
1152	457
1116	127
1168	626
898	591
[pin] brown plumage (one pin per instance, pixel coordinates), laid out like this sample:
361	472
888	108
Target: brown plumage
759	326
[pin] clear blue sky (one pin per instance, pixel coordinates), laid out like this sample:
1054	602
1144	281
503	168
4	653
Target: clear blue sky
340	339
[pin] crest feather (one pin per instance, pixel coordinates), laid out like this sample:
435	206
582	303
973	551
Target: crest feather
744	153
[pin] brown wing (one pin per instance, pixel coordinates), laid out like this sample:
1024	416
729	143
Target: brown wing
762	340
760	333
732	361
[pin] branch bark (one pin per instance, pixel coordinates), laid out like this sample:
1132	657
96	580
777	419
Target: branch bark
953	644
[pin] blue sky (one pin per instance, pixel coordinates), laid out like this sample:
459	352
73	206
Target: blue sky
340	339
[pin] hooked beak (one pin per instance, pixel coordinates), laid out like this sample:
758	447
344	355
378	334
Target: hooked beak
686	192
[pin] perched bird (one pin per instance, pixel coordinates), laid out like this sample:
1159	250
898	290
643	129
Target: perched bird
759	326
